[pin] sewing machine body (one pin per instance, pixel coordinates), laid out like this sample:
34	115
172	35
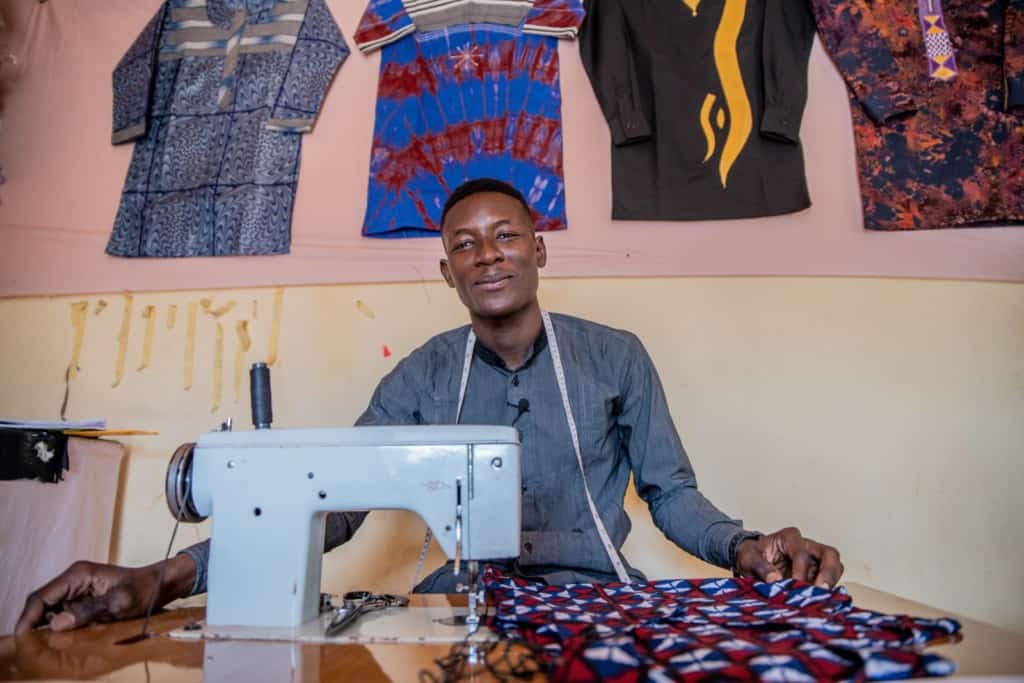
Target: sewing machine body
269	490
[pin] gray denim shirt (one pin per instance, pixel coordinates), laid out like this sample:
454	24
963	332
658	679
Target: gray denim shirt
624	427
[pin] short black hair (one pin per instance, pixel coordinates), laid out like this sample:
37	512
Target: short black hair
471	187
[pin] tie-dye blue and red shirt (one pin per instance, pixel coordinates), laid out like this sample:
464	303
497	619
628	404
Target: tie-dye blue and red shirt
466	90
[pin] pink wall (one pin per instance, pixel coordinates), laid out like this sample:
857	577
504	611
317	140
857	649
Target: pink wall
64	181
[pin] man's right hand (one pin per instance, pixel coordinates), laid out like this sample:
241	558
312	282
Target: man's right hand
88	592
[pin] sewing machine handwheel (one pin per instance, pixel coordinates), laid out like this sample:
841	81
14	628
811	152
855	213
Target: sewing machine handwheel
178	486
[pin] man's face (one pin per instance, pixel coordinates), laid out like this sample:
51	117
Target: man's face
493	254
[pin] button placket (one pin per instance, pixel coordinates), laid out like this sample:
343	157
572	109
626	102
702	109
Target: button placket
515	392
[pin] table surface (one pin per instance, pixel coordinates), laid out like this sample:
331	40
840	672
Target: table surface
92	653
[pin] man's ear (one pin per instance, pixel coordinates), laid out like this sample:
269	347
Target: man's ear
542	251
446	273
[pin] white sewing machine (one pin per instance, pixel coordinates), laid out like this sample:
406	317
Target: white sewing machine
269	490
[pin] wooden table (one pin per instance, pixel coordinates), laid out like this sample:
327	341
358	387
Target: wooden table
91	654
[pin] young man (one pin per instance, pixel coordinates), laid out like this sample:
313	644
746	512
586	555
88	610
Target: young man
590	410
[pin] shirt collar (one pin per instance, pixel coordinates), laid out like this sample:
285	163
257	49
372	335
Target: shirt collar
494	360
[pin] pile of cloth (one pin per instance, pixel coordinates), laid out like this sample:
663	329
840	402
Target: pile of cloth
711	629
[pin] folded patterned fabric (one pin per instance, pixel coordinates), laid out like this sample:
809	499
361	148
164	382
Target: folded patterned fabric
711	629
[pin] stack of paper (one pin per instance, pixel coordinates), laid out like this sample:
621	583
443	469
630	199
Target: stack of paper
57	425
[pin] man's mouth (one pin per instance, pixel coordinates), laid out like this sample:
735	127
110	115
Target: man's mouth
493	282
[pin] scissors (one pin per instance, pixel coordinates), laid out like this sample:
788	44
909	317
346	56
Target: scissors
357	603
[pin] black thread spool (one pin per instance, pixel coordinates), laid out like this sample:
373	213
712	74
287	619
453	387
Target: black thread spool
259	395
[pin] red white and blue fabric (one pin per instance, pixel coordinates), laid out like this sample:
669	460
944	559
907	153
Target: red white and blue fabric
711	629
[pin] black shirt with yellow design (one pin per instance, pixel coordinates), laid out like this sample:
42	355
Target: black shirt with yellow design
704	100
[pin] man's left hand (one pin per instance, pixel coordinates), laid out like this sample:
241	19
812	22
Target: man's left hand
787	554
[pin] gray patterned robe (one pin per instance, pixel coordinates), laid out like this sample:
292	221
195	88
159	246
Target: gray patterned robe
216	94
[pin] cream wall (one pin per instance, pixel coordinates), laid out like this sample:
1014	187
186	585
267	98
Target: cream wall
884	416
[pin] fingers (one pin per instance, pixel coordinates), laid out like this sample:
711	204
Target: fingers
814	562
830	568
79	612
804	565
806	559
66	586
760	561
767	572
31	614
754	558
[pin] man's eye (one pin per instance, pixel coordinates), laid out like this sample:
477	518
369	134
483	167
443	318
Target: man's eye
459	246
505	235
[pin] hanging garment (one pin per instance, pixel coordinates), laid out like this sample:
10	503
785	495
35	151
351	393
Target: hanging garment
937	97
711	629
215	94
704	100
467	90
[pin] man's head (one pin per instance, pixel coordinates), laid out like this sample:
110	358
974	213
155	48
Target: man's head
492	252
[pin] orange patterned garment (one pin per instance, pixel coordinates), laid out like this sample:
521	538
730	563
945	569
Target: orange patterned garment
937	96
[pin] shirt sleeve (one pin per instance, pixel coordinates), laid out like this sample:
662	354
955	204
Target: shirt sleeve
200	554
318	53
851	33
1013	53
133	82
383	22
558	18
662	472
788	37
606	49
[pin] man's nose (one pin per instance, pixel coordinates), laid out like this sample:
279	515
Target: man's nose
489	253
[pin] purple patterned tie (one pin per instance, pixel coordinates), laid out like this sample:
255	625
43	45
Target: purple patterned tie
941	61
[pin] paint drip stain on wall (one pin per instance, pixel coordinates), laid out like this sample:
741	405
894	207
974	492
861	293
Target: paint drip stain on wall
220	311
275	326
218	367
78	310
190	344
365	310
244	342
122	340
149	315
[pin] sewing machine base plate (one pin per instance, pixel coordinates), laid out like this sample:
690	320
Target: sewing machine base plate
391	625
